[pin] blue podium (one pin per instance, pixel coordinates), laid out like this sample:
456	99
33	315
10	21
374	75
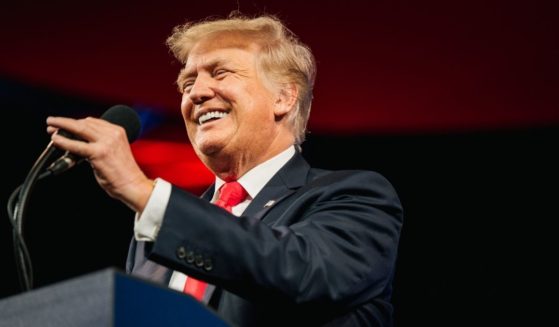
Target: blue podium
105	298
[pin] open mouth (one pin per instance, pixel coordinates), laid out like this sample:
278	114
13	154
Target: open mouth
211	116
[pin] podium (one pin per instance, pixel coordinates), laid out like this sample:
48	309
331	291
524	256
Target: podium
105	298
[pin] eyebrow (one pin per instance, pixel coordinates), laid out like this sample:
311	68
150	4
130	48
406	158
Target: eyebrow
186	74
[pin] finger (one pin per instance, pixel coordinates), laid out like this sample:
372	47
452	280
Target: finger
85	129
69	125
51	130
76	147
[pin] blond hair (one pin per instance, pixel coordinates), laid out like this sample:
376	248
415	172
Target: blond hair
282	57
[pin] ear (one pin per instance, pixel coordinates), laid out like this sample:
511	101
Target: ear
286	99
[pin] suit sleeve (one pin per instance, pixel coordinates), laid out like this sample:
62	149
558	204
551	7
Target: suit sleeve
335	242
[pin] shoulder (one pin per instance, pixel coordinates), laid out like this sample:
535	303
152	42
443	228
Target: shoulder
353	183
352	177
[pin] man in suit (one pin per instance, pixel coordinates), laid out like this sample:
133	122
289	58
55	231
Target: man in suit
303	245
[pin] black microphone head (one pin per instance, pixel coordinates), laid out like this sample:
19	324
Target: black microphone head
126	117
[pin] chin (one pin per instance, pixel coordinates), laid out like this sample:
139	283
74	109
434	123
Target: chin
209	149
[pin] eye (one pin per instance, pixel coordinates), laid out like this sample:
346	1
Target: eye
186	86
220	72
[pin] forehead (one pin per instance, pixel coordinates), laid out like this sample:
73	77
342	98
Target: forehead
219	56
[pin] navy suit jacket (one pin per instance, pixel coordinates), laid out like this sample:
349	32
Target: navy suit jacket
315	247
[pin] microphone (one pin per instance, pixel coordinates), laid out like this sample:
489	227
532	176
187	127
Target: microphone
121	115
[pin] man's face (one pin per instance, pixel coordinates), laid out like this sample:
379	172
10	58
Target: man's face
227	104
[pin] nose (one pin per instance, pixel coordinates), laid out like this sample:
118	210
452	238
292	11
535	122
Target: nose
202	89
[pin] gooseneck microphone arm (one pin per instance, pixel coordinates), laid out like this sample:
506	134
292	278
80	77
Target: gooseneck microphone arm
23	260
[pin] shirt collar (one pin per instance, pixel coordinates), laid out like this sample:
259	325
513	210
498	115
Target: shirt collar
254	180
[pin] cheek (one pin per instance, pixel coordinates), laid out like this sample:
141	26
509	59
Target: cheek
262	109
186	107
190	133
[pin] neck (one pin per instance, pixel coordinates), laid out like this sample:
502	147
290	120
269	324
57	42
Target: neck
233	167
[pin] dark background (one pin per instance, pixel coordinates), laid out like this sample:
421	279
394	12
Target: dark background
456	104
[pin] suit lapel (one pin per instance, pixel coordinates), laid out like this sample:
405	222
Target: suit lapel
287	180
209	193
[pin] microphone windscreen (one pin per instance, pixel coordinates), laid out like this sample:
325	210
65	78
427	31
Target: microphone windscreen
126	117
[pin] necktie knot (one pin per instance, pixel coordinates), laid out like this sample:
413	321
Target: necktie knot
231	194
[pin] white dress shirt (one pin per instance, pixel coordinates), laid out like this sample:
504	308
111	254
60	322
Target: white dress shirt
147	224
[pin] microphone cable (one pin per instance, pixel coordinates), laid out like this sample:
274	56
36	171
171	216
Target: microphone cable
16	212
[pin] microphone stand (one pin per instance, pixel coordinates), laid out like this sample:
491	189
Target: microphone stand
16	214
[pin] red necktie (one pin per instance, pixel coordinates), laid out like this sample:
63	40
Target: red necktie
230	194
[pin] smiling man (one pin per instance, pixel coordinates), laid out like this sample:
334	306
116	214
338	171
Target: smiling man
273	242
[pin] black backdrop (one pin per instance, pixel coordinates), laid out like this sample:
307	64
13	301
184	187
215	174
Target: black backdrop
476	248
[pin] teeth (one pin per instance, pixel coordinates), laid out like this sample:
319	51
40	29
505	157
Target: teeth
210	115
